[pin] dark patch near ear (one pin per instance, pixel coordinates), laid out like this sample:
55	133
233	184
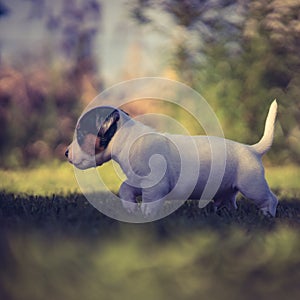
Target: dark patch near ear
108	129
86	125
100	122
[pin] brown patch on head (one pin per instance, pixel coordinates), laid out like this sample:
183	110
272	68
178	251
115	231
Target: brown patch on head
96	129
91	144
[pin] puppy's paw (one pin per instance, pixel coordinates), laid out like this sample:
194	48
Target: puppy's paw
150	209
268	213
130	207
269	208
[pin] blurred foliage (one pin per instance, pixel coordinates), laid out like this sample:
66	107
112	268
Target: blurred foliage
59	178
42	93
3	10
240	55
62	248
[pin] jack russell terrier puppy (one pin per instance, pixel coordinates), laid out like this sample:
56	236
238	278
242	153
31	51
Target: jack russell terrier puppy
105	133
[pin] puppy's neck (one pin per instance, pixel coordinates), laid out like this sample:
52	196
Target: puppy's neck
129	131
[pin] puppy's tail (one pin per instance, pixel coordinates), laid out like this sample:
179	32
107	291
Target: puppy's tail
266	141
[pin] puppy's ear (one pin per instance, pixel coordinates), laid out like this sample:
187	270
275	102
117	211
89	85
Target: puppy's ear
108	128
109	122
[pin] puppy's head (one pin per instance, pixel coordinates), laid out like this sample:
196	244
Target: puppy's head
94	132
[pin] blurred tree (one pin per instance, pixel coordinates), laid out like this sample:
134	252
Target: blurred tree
271	44
40	98
196	27
75	25
3	10
280	28
235	52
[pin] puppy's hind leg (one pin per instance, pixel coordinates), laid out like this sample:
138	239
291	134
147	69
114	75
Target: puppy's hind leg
269	207
259	192
128	195
228	200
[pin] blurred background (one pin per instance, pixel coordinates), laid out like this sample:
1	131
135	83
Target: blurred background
56	56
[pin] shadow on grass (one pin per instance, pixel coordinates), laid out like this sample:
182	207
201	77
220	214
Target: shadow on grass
74	215
63	248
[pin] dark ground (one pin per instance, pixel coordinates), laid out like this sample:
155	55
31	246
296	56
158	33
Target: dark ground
63	248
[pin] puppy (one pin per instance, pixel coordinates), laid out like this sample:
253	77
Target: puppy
154	163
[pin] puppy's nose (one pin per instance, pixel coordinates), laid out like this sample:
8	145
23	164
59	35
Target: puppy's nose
67	153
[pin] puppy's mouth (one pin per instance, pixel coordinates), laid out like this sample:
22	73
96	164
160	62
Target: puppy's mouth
79	166
83	165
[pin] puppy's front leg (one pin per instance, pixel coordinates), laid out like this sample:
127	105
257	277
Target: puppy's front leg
153	199
128	194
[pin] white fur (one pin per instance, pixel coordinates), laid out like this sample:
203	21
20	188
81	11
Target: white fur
150	161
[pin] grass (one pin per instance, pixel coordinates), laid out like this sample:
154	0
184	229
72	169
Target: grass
55	178
58	178
55	245
284	177
45	180
60	247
